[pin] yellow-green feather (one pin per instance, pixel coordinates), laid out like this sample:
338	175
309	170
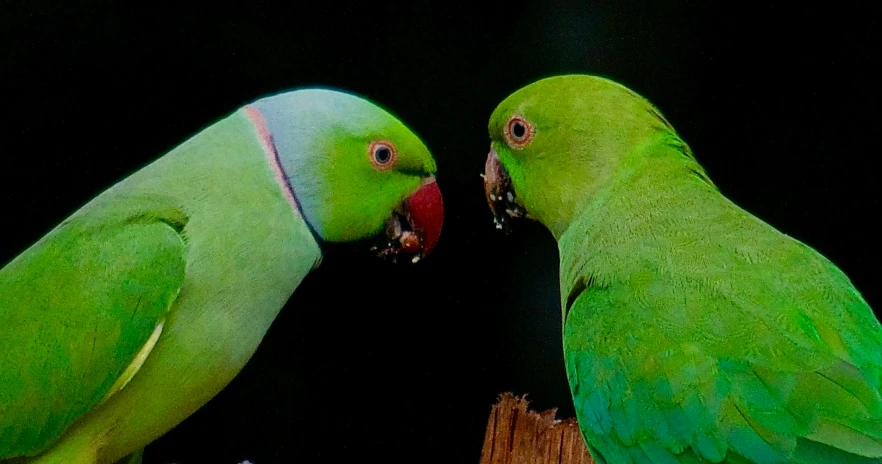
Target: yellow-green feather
77	308
698	330
245	250
693	331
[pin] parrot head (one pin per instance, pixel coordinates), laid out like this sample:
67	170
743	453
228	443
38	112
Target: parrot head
556	142
355	171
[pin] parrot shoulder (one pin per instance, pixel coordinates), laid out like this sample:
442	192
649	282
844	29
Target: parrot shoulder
81	310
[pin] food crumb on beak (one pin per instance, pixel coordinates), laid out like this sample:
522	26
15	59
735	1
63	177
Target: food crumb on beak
500	192
410	243
415	225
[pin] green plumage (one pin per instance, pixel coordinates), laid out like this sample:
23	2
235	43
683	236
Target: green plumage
146	302
693	331
91	292
123	257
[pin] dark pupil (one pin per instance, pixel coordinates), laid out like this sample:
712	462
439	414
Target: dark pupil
518	130
383	154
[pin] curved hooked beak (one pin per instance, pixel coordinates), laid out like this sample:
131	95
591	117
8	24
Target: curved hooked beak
415	227
500	193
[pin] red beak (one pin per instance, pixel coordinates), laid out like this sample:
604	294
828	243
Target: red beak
426	213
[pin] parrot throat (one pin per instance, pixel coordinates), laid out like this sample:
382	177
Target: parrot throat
272	154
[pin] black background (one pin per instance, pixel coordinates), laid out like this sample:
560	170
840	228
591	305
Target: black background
780	105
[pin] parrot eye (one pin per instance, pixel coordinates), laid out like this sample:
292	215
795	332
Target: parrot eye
518	131
382	155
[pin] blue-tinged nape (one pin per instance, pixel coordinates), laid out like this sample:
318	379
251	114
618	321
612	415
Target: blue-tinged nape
302	125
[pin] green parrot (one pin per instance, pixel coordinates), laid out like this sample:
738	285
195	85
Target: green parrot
146	302
693	331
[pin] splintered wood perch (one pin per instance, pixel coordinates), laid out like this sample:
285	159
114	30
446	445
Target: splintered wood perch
516	435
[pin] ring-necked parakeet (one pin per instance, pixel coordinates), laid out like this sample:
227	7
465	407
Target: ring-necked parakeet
693	331
146	302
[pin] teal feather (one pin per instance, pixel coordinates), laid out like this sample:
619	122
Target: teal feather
693	330
713	337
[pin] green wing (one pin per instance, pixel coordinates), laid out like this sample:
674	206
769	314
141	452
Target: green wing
77	308
746	347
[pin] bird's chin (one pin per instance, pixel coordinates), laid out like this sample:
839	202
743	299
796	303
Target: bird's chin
413	229
398	241
500	193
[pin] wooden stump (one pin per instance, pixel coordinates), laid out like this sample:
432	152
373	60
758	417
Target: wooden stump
516	435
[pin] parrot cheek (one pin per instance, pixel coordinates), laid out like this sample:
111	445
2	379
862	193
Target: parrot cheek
415	225
500	192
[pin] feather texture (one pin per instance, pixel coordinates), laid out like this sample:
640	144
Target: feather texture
693	331
78	307
708	334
